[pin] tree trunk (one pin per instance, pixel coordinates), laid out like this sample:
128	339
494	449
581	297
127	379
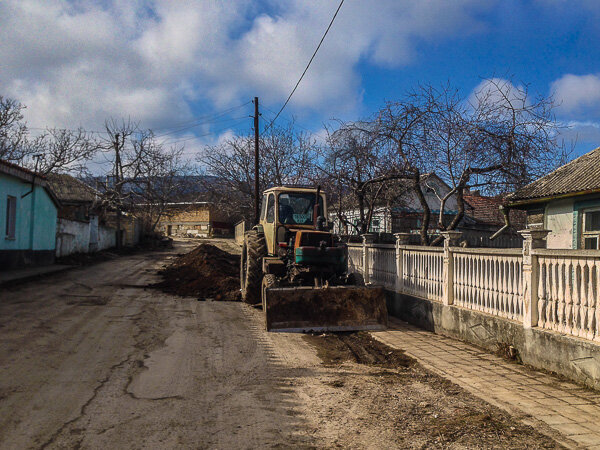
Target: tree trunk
426	211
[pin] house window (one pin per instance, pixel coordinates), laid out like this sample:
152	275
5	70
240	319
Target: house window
375	225
591	229
11	217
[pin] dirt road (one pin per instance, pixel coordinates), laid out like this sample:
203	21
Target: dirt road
93	358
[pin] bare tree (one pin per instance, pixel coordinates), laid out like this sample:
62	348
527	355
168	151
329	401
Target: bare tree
227	169
13	131
62	150
144	177
355	167
402	127
163	179
498	141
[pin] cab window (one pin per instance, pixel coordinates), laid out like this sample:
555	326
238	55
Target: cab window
271	209
263	207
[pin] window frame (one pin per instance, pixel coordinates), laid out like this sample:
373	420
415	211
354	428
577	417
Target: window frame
589	234
263	208
269	199
11	218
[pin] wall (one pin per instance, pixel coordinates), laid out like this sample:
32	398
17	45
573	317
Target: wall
558	219
107	237
72	236
195	219
35	235
39	237
75	236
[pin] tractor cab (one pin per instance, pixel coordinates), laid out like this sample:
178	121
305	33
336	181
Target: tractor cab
287	210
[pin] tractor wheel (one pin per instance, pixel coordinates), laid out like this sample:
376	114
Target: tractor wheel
268	281
253	251
355	279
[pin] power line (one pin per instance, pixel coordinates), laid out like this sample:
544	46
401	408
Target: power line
207	122
212	133
307	66
292	120
202	120
207	118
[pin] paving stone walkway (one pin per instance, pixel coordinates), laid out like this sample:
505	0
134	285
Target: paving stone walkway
563	408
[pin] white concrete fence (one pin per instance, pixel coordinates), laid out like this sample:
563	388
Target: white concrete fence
556	290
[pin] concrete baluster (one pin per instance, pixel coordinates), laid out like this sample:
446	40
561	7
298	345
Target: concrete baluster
450	240
402	239
368	240
532	239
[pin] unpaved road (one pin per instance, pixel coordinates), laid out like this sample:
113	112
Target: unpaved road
93	359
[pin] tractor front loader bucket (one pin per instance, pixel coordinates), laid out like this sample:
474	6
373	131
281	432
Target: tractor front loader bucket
338	308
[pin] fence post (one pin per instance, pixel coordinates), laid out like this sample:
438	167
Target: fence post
402	239
368	239
532	239
450	240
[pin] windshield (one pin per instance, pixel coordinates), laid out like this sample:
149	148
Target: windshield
297	208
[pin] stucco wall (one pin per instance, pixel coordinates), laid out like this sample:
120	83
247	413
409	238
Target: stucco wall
107	237
72	237
35	220
559	220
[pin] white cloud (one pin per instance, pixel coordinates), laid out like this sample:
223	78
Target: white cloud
577	93
78	62
498	91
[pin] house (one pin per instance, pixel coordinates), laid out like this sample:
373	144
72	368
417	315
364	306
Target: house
77	199
80	225
404	215
484	217
198	219
566	202
28	211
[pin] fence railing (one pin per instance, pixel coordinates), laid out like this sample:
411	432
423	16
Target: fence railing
489	282
422	271
557	290
568	292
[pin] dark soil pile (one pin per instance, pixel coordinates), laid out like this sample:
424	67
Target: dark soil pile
207	272
358	347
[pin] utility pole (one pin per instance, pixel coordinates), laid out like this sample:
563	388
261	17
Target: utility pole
117	189
256	184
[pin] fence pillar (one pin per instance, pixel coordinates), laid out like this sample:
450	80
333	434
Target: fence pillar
368	239
532	239
402	239
451	239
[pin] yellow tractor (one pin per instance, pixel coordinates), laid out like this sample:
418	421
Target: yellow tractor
296	267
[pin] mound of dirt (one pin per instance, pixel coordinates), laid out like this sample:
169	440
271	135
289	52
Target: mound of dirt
207	272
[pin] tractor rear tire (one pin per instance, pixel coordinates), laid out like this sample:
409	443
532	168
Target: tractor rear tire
253	251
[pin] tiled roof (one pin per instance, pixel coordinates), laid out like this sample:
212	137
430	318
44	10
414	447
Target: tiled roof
487	210
29	176
581	175
20	172
70	189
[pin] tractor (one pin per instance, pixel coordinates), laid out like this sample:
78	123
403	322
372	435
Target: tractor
297	269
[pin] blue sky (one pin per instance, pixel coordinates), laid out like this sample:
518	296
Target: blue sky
164	63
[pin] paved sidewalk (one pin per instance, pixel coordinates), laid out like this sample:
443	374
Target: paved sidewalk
564	407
